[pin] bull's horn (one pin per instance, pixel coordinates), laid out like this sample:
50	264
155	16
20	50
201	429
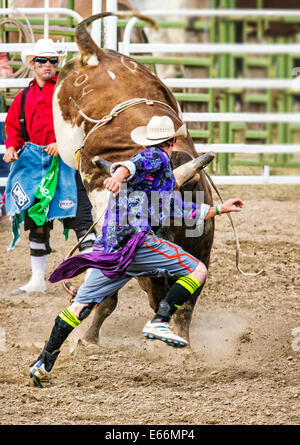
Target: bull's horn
83	38
186	171
182	173
102	164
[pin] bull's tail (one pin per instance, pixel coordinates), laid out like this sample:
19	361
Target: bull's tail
86	44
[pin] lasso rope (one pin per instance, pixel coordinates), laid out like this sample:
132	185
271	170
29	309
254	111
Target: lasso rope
237	257
115	112
25	35
86	234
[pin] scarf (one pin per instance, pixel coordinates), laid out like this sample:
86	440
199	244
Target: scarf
45	192
112	265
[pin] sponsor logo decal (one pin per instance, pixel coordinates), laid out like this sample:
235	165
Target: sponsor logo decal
66	204
19	196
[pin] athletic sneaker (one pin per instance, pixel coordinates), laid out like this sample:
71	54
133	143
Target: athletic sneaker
161	331
39	375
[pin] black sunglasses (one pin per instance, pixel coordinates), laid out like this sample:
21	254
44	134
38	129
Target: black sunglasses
42	60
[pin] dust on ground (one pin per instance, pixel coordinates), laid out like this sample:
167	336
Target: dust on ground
245	335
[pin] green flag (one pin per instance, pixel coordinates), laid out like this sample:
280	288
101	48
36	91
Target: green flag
45	193
17	220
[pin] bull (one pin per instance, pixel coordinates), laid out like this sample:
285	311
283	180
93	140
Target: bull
100	97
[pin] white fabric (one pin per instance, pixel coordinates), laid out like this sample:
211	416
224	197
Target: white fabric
37	281
128	164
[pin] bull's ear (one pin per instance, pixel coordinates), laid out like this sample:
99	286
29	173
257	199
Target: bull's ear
102	164
188	170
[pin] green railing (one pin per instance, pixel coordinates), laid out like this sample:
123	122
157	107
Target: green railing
218	30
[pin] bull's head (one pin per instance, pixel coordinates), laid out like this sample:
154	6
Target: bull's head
182	173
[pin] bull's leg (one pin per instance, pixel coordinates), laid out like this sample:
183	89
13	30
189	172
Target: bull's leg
183	316
104	309
156	289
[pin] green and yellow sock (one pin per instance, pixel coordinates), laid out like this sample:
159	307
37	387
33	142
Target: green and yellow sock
176	296
68	316
64	324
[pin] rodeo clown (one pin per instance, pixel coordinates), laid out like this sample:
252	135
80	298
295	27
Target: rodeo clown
40	186
128	247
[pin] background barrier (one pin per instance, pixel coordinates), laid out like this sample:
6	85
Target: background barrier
243	98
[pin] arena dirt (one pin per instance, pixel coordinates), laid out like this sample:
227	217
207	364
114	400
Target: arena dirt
245	336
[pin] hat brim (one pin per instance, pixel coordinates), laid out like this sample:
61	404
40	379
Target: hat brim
139	135
27	55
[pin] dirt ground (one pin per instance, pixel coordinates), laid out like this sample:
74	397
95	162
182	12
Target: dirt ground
245	336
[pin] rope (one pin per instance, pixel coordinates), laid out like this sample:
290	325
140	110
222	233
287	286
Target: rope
86	234
237	257
25	35
115	112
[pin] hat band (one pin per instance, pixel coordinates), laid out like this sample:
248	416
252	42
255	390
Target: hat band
160	136
45	53
158	139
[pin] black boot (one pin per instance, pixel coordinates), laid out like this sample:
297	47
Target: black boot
40	368
163	312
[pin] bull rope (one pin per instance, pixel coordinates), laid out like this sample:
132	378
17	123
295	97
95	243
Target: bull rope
66	284
115	112
86	234
237	257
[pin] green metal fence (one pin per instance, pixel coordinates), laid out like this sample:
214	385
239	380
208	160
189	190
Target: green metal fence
240	30
218	30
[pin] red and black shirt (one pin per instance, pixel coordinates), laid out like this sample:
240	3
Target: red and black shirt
38	116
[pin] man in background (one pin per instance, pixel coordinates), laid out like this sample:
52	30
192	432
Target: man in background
5	72
40	185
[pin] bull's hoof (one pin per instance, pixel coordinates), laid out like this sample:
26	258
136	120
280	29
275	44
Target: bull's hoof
91	348
85	346
90	340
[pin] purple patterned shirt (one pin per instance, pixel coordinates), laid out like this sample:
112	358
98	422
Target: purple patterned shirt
146	200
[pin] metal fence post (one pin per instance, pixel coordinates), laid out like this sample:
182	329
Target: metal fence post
223	69
110	26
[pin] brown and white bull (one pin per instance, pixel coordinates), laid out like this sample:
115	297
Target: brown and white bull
89	87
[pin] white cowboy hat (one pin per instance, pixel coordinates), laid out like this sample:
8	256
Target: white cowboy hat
158	129
43	48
